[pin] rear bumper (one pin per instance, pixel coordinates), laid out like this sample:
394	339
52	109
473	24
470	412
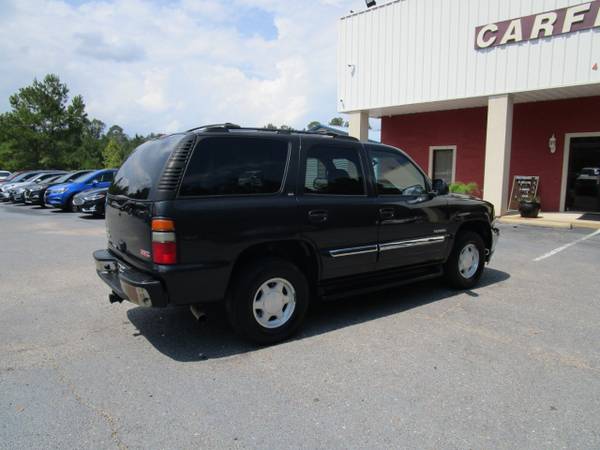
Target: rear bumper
129	283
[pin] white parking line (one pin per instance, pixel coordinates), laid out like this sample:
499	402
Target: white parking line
564	247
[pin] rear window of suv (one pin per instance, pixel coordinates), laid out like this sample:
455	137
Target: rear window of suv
236	166
142	170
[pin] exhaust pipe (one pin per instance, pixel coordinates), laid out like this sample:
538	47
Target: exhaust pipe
199	314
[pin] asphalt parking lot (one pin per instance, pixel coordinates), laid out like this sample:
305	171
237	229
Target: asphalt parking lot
514	363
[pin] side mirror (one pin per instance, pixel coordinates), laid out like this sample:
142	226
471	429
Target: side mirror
95	182
440	187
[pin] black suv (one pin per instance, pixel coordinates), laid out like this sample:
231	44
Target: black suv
268	220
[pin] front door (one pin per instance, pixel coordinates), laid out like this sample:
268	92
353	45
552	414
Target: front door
413	226
583	182
336	214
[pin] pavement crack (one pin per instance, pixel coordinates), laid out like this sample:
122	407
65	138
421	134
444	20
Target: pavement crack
105	415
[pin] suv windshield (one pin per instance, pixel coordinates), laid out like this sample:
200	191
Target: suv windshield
143	168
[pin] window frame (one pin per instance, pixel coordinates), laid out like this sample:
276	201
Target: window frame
394	150
301	185
284	178
433	149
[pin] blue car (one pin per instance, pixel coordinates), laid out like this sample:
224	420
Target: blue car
61	195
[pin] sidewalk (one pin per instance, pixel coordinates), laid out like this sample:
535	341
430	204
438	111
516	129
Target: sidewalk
556	220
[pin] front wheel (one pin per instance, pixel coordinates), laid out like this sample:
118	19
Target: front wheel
69	206
268	301
466	262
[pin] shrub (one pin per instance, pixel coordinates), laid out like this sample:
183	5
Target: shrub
465	188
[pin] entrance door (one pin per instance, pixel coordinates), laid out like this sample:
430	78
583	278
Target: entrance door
583	177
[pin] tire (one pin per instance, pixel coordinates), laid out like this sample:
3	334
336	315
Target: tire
69	207
465	276
251	284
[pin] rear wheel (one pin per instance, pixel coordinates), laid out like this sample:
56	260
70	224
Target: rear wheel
466	262
268	301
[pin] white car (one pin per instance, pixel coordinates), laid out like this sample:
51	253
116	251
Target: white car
589	173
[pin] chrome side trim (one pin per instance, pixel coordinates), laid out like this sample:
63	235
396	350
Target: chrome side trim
353	251
412	243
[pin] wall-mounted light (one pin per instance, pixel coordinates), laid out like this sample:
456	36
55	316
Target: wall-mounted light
352	68
370	3
552	144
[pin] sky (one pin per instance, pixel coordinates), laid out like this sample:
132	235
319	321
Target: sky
165	66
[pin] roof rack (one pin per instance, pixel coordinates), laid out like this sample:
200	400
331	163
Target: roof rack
215	127
233	127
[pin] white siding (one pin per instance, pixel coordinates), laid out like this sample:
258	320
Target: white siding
418	51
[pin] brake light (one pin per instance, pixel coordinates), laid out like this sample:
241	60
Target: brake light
164	242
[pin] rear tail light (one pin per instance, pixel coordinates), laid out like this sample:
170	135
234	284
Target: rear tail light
164	242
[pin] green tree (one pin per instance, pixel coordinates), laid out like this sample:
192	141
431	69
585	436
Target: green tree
88	155
313	124
42	126
113	154
337	122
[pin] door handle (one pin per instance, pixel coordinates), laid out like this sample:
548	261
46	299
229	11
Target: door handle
387	213
317	216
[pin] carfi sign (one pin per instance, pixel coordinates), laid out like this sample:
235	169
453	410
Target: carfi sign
547	24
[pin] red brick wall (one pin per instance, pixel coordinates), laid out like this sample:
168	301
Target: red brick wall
465	128
533	125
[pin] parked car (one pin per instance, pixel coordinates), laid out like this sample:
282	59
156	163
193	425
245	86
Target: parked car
17	192
35	193
266	221
61	195
20	178
91	202
586	182
4	175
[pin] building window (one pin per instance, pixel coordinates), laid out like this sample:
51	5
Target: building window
442	163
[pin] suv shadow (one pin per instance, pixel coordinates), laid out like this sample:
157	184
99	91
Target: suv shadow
176	334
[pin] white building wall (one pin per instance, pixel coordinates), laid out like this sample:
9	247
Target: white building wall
417	51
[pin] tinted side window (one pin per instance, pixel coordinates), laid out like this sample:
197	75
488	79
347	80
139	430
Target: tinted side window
333	171
236	166
395	174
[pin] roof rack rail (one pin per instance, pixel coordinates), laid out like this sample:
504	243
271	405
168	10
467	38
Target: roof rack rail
232	126
217	126
332	134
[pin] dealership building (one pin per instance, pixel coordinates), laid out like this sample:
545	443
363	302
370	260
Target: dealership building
482	91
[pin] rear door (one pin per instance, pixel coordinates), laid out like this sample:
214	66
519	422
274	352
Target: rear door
129	205
413	223
336	213
233	196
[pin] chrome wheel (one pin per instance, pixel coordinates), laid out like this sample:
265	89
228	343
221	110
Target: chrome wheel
468	261
274	303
